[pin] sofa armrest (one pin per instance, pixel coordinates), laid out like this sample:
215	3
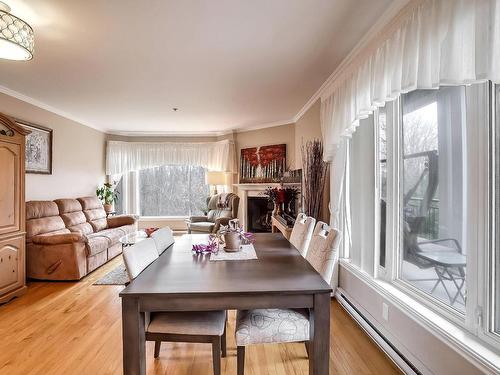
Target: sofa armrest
58	239
120	220
198	219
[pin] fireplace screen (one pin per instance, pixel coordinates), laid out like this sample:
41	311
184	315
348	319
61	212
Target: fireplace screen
259	212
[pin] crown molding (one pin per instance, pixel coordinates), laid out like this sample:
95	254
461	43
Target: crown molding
263	126
386	18
166	134
47	107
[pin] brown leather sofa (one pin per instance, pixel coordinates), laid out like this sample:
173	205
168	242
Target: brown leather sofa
221	209
68	238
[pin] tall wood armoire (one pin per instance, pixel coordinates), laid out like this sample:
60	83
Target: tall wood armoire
12	208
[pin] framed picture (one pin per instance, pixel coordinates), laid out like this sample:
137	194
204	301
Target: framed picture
38	148
263	164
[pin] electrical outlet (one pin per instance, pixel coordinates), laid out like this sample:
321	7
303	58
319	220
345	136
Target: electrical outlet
385	311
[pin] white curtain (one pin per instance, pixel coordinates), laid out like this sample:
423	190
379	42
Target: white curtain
124	157
435	42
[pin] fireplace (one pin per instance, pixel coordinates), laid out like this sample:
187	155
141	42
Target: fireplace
259	212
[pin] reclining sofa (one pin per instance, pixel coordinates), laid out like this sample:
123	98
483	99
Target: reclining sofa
68	238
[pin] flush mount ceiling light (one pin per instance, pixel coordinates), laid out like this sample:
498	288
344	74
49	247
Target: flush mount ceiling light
16	36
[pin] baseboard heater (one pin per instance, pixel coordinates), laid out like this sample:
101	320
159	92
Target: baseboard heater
382	342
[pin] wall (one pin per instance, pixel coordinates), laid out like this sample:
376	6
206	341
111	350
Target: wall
77	158
268	136
420	346
308	127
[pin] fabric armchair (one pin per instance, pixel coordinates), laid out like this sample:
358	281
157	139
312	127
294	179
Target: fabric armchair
222	208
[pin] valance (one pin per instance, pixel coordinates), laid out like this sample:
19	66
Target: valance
123	157
435	42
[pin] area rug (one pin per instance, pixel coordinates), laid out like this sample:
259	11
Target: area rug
116	277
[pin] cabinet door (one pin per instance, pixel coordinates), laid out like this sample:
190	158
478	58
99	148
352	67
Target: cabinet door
11	264
10	187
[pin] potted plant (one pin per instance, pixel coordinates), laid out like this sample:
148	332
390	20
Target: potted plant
107	195
234	236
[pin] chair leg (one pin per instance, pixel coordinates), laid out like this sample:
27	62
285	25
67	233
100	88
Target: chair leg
157	348
240	353
223	343
216	348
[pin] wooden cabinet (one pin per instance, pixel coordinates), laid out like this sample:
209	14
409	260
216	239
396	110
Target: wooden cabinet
12	222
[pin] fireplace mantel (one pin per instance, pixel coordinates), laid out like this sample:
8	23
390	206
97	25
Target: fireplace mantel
253	190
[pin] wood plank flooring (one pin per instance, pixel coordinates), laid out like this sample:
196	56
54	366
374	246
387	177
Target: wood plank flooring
75	328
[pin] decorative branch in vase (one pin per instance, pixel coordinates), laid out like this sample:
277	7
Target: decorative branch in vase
315	171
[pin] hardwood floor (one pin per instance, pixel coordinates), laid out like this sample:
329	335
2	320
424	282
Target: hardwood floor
75	328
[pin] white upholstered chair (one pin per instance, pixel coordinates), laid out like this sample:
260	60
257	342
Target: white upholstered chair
185	326
138	256
302	232
261	326
163	238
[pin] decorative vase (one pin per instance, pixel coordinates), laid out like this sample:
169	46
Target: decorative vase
232	241
108	208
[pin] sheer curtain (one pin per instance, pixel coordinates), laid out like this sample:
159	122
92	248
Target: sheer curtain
433	43
124	157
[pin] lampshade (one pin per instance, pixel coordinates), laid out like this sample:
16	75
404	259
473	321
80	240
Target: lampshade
16	36
215	178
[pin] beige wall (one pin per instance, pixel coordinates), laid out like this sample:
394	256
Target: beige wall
78	153
306	128
268	136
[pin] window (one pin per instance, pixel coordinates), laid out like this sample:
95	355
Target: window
174	190
382	182
496	245
433	256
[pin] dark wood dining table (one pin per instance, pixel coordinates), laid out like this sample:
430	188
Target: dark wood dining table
180	280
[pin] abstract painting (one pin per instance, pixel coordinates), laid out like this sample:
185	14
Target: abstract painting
263	164
38	148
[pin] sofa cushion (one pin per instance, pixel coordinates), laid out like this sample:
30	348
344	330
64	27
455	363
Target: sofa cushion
97	244
73	217
42	217
202	226
113	235
40	209
94	212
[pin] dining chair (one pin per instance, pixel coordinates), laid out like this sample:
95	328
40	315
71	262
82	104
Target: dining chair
184	326
264	326
163	238
302	232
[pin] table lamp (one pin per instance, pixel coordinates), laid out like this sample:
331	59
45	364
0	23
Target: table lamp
215	178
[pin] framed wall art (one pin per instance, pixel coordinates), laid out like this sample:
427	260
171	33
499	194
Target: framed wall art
263	164
38	148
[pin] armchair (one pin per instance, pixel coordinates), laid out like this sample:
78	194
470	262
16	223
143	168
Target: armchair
222	208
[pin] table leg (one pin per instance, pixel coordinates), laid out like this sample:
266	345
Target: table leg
134	338
319	356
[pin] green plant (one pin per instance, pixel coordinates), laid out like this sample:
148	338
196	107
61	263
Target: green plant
107	193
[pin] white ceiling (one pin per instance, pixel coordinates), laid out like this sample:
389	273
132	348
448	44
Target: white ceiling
122	65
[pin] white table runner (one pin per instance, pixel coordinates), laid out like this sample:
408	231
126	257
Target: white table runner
247	252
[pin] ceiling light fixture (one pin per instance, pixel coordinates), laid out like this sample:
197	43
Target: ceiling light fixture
16	36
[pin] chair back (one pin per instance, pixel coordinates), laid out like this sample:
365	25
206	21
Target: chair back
163	239
224	205
138	256
302	233
323	252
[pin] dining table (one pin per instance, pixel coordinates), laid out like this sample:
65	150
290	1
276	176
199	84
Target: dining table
181	280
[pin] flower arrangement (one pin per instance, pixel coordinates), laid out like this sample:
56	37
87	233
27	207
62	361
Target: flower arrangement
227	234
211	247
281	196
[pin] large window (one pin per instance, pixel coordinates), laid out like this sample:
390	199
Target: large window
433	255
428	220
174	190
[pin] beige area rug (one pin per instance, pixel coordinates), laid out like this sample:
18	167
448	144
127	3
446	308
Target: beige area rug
116	277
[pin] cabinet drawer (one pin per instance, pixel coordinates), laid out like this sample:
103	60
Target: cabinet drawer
11	264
